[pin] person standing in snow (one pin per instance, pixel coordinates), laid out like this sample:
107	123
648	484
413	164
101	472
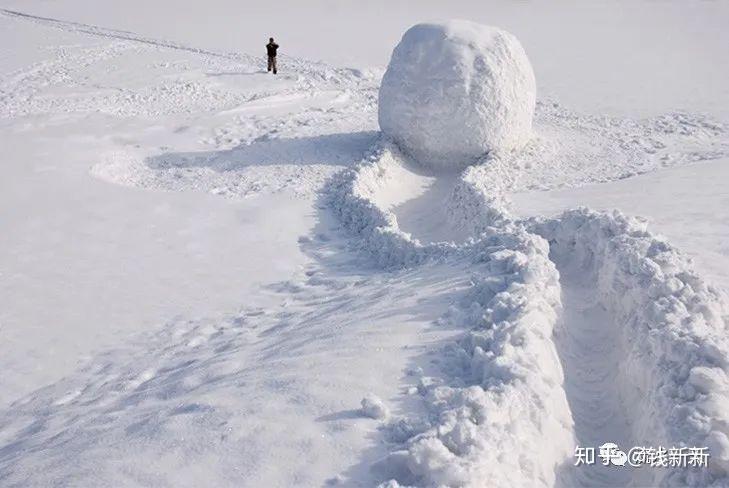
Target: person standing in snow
271	48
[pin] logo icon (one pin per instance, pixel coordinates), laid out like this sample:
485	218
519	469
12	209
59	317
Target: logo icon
610	453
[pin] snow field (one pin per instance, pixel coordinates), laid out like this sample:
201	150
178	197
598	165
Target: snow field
551	332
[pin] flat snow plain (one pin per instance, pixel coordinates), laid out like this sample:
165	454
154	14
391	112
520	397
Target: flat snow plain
204	270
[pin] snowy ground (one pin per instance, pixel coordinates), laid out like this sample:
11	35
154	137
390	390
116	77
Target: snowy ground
204	270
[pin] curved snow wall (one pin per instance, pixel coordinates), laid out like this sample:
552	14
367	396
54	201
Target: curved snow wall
351	197
496	426
672	328
510	367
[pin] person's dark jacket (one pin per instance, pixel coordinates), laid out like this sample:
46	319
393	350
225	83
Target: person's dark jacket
271	48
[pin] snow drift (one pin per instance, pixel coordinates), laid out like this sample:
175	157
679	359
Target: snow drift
456	90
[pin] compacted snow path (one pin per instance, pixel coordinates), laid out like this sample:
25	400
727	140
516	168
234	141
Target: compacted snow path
419	202
425	216
591	352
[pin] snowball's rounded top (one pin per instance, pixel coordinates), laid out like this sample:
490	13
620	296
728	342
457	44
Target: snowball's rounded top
456	90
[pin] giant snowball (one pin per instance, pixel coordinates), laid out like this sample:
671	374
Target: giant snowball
456	90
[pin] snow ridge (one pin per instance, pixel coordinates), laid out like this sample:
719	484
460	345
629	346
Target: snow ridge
508	369
670	328
351	197
508	374
478	201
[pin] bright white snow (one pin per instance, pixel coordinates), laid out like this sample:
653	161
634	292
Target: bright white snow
456	90
204	270
374	408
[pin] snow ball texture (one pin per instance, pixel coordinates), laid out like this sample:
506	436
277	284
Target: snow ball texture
374	408
455	91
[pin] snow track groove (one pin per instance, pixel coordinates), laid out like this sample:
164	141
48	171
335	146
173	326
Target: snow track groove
640	338
590	350
669	337
501	374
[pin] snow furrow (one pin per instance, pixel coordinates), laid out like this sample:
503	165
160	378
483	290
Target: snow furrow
590	352
507	367
639	336
352	198
669	331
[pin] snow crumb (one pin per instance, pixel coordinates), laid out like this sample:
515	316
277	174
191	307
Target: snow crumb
374	408
456	90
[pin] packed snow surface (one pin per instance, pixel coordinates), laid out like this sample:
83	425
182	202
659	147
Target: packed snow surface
213	277
456	90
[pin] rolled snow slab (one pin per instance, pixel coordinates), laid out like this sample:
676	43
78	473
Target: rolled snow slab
456	90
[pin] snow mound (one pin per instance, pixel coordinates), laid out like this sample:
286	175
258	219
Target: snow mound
374	408
456	90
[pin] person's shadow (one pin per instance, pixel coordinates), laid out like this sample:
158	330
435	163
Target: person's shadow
342	149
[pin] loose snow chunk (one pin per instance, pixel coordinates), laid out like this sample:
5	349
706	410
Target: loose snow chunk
456	90
374	408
